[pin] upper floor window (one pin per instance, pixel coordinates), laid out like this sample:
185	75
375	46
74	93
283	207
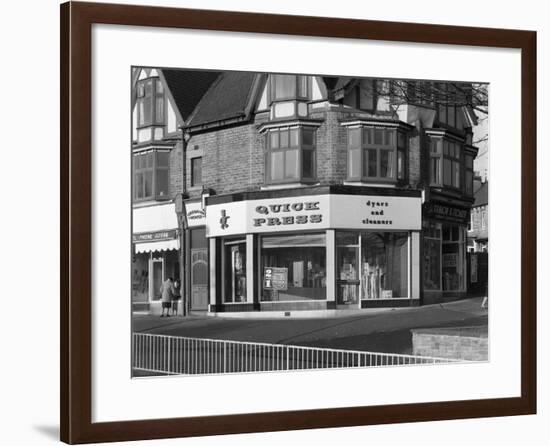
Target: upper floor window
469	174
150	175
289	86
290	155
150	102
196	171
376	154
445	163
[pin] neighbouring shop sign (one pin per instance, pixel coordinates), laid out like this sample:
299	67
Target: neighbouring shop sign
314	212
154	236
447	212
196	215
275	278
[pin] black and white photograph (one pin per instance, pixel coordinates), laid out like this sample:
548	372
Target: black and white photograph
284	222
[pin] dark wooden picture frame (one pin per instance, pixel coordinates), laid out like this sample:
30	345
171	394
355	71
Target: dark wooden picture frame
76	221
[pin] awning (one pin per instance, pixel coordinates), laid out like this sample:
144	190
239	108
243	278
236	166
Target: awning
163	245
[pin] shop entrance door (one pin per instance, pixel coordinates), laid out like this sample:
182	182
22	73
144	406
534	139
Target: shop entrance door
158	277
347	297
199	279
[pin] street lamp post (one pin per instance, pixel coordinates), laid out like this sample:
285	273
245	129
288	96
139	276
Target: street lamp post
182	224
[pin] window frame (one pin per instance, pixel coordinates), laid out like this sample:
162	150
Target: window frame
300	148
296	96
364	146
457	157
154	168
142	98
192	181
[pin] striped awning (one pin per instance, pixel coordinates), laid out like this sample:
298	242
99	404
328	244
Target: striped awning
161	245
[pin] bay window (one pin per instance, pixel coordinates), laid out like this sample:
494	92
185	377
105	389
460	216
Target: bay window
288	86
150	108
376	154
150	102
290	154
446	163
150	175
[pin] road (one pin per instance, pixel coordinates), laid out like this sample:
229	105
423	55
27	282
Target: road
385	330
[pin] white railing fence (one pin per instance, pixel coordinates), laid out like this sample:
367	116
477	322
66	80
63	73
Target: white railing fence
174	355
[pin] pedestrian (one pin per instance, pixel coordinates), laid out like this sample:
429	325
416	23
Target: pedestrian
167	292
176	297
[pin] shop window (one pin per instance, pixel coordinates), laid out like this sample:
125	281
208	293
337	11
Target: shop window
304	258
290	155
234	258
196	171
376	154
453	258
432	257
445	163
140	278
151	175
384	265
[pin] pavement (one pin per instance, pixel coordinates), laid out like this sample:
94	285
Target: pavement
386	330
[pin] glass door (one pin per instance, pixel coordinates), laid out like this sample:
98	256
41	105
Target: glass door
347	279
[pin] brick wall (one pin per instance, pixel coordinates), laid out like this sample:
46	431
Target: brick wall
234	157
176	169
467	343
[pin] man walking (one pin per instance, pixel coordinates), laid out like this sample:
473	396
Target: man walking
167	292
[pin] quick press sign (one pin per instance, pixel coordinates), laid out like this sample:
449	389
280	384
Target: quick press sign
313	213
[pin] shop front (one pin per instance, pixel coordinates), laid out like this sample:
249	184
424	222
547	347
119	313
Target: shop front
444	231
325	249
155	247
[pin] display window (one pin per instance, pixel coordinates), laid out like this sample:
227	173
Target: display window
432	257
140	278
384	265
235	271
371	265
303	259
444	257
453	258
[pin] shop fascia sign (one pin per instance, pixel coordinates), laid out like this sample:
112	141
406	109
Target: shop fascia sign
447	212
154	236
314	212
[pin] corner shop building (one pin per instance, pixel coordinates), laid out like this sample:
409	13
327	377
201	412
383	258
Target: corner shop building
318	248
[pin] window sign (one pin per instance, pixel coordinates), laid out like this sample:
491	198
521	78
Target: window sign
275	278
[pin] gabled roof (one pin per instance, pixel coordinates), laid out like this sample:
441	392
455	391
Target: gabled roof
228	97
481	195
188	87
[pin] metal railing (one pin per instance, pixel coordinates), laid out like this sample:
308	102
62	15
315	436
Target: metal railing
174	355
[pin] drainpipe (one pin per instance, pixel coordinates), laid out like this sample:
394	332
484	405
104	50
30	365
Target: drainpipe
182	223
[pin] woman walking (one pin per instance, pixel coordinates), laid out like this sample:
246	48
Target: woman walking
167	292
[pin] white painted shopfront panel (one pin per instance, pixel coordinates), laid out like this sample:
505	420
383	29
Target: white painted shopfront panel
306	213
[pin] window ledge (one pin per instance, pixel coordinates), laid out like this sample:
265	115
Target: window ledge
287	186
373	184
